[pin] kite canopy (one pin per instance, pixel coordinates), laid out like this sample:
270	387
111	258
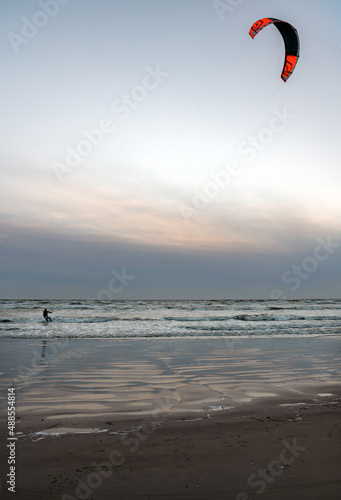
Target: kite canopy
291	41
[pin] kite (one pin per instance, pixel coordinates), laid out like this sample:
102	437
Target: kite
291	42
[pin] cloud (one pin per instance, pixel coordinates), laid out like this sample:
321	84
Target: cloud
37	263
121	205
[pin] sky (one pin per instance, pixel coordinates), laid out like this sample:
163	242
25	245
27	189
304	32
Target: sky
150	150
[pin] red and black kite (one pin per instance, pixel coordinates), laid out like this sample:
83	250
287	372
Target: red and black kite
291	41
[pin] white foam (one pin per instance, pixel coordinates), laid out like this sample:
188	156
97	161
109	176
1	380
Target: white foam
292	404
60	431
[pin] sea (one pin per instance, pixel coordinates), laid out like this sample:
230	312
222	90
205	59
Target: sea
170	318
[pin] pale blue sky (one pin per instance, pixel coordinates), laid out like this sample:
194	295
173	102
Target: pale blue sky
183	96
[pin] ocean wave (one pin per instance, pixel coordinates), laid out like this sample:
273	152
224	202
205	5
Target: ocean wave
101	320
174	320
252	317
199	318
284	317
79	321
268	317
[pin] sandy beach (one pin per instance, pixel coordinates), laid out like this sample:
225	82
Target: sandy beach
208	419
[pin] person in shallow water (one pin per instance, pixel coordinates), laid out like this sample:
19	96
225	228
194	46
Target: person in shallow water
46	315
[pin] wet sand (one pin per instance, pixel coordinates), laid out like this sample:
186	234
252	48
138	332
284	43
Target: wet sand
206	419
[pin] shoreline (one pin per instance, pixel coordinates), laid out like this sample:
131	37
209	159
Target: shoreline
282	450
175	419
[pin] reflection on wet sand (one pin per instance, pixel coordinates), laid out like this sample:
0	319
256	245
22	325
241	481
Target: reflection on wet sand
134	376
